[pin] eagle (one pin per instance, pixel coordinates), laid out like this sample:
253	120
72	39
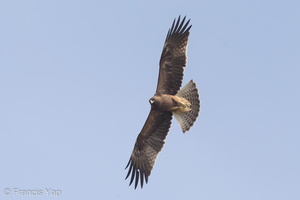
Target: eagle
167	101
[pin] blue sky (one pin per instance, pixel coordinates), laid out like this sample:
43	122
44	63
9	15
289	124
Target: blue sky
76	76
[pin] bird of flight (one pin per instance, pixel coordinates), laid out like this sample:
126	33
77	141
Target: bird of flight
168	100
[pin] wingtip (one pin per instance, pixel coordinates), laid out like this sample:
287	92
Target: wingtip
179	26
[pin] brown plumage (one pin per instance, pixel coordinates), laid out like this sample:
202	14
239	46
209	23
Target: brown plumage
173	58
168	100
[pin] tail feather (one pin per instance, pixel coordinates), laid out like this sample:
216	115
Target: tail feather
187	119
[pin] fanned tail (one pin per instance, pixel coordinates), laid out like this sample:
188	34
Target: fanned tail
187	119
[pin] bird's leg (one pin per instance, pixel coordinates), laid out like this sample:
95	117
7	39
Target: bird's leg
183	105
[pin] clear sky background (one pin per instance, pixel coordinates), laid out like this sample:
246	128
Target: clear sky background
76	77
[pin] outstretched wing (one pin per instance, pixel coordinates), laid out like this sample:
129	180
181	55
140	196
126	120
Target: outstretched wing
173	58
148	144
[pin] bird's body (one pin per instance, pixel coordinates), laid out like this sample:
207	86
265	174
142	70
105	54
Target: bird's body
173	103
168	100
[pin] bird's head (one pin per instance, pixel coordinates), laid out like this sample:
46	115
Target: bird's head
154	101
